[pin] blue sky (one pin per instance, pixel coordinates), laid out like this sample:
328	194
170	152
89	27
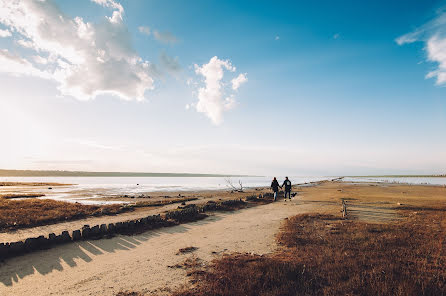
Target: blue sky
251	87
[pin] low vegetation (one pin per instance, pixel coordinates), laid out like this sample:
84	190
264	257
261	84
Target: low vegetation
186	250
324	255
21	195
33	212
163	202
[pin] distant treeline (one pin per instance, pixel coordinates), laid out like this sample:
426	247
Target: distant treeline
32	173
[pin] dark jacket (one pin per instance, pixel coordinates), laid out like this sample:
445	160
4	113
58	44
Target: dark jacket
275	185
287	184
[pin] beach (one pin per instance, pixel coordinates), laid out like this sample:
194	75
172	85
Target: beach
151	262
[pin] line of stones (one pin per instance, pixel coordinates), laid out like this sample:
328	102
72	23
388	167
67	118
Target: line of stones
12	249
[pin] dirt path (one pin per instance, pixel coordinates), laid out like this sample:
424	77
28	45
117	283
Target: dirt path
140	262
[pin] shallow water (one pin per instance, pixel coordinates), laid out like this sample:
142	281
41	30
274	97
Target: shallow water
402	180
88	188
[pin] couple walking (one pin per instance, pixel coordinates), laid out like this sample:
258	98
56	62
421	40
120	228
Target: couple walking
275	187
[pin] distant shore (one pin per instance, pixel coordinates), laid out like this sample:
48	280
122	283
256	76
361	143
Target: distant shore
54	173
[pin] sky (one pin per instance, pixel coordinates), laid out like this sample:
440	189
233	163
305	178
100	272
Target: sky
231	87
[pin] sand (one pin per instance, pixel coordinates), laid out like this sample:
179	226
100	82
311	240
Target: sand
141	262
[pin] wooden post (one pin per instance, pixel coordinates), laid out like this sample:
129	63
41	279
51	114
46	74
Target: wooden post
344	209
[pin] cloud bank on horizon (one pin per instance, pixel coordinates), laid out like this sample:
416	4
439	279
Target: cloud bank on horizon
88	59
433	34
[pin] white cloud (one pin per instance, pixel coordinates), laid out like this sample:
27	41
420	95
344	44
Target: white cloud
239	80
40	60
4	33
87	59
118	12
165	37
211	97
144	30
15	65
25	43
433	34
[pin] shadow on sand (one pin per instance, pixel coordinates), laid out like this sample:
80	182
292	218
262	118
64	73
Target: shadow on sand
46	261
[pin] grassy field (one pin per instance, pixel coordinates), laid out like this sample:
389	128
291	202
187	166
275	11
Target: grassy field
20	195
325	255
33	212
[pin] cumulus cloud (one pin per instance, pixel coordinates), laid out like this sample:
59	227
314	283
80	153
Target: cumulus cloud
4	33
433	34
214	98
239	80
86	59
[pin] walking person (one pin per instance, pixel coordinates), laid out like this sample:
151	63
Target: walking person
287	185
275	187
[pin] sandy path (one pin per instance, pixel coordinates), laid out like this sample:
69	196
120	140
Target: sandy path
140	262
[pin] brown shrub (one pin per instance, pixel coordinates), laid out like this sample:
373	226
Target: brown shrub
33	212
323	255
21	195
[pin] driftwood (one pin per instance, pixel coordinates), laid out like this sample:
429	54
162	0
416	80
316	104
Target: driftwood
232	186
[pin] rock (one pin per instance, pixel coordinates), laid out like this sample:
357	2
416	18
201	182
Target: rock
42	242
65	237
118	227
103	229
125	225
17	247
86	232
4	250
111	228
95	230
76	235
31	243
52	238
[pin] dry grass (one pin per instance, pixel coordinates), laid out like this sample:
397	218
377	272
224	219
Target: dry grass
162	202
186	250
21	195
34	212
323	255
128	293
